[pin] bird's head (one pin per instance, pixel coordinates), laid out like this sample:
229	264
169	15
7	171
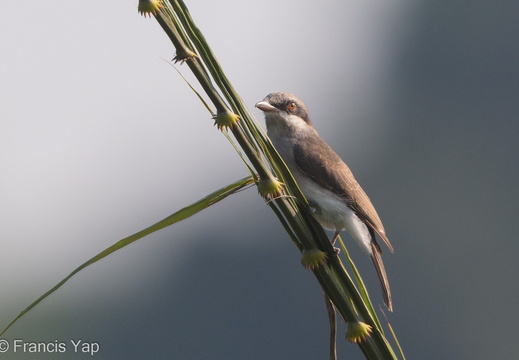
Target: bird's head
284	112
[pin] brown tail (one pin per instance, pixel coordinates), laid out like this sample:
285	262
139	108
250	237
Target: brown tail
381	271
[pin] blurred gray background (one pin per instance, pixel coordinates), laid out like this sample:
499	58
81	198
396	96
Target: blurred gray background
100	138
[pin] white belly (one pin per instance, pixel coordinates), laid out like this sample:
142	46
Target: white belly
332	212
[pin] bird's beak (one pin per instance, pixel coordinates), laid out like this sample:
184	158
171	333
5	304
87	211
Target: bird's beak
265	106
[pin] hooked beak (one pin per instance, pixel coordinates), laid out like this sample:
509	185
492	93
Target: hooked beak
265	106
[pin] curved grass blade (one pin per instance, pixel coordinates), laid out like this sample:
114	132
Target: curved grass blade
213	115
400	350
361	286
180	215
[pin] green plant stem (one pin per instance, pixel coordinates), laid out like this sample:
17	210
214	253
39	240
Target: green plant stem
332	319
171	30
291	209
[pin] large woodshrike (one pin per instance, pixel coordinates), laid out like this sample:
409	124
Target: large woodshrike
336	199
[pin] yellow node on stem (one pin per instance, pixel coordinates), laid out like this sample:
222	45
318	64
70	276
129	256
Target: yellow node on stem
358	331
149	7
270	188
313	258
226	120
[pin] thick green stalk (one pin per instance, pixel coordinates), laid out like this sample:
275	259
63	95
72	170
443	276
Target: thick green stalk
214	67
291	207
185	54
252	152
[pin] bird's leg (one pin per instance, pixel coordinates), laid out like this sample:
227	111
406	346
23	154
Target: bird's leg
334	239
312	207
335	236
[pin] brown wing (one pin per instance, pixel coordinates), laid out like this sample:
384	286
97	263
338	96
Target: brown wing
325	167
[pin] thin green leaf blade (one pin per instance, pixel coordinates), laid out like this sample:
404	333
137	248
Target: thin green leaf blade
178	216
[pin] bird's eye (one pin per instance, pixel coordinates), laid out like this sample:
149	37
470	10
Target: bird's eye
291	106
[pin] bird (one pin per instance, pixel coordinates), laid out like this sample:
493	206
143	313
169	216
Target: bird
335	198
